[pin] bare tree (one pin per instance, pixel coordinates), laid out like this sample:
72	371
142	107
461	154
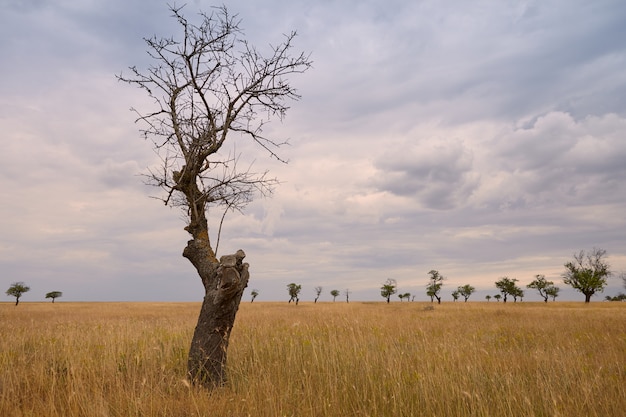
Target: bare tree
208	86
318	292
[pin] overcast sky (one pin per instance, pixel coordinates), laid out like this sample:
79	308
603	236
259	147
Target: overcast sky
478	138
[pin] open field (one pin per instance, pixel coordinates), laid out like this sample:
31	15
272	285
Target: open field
326	359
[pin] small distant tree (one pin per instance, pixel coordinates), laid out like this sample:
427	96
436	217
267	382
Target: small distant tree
542	286
588	272
347	292
488	297
431	293
455	294
434	287
497	297
517	293
619	297
403	296
254	294
318	291
334	293
16	290
294	291
466	291
506	286
54	294
553	292
388	289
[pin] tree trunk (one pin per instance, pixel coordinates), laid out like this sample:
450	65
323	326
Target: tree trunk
588	297
224	283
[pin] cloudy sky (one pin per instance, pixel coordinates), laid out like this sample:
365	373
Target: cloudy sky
478	138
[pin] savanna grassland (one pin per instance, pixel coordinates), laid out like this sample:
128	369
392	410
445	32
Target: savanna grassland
325	359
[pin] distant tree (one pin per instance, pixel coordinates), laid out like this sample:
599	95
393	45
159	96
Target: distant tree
619	297
403	296
388	289
506	286
318	291
488	297
434	287
334	293
16	290
254	294
466	291
347	292
497	297
542	286
517	293
54	294
294	291
588	272
455	294
553	292
431	293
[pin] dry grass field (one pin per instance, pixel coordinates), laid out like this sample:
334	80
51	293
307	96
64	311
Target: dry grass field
325	359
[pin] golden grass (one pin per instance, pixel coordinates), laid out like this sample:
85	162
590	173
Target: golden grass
325	359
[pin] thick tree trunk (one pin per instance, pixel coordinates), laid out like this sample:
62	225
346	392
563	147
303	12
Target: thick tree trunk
224	283
588	297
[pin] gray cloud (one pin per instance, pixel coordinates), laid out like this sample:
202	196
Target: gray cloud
480	139
438	173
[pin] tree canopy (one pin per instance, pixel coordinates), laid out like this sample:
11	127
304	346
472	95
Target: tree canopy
588	272
434	286
16	290
543	286
507	287
54	295
388	289
294	290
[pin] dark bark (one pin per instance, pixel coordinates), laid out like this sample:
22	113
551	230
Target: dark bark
224	283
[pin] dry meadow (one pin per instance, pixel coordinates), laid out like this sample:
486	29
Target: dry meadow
325	359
